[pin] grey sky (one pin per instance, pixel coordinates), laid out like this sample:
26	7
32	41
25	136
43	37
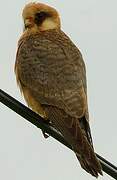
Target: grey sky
24	153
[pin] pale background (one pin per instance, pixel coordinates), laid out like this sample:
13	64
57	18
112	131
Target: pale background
24	153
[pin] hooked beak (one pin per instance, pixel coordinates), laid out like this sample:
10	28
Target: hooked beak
28	22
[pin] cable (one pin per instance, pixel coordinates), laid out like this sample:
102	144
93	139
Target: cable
38	121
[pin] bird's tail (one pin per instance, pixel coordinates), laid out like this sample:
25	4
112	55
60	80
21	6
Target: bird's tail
83	148
91	165
76	136
89	162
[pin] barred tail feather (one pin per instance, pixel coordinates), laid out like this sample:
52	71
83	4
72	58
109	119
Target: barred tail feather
91	165
74	134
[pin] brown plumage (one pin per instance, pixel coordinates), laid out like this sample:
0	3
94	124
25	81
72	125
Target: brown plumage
51	75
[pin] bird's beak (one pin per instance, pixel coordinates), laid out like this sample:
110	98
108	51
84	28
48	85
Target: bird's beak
28	22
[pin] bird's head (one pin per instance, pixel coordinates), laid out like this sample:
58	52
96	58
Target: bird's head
40	17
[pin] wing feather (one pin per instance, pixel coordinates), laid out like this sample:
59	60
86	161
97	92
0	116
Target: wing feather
57	71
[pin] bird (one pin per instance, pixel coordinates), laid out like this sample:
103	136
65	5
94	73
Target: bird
51	74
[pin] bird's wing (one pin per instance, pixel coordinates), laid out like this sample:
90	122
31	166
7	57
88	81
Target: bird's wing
50	68
53	67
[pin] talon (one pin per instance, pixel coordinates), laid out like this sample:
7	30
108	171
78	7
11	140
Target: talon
47	121
45	134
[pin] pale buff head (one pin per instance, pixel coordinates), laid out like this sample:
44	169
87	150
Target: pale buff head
40	17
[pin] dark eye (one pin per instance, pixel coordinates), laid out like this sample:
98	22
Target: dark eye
40	17
41	14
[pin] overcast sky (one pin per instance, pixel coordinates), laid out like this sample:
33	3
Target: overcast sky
24	153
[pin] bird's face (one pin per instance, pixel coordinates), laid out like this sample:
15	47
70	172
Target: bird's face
40	17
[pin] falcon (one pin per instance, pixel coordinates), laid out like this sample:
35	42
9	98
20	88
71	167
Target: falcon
51	74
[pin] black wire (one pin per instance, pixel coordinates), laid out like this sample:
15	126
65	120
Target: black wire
38	121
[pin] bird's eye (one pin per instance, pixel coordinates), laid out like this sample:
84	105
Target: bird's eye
40	17
41	14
